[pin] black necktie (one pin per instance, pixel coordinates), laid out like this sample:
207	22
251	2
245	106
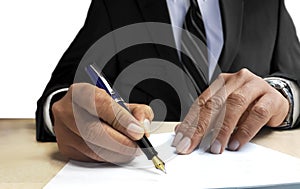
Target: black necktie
194	55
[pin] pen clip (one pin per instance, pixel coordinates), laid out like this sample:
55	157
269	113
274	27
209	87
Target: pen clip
100	81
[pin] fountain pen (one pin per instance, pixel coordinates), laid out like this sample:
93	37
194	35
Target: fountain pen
145	145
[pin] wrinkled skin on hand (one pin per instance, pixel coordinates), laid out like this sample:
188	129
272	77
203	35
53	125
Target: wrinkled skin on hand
90	126
237	105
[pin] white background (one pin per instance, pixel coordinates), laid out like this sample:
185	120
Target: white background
33	36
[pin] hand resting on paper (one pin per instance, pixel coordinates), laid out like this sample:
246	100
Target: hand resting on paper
238	105
90	126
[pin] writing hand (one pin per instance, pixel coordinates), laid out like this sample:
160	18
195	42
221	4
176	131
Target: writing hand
90	126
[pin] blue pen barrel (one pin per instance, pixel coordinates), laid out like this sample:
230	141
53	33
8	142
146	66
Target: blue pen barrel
119	100
123	105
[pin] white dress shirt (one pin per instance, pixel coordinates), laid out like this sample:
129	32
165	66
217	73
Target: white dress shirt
211	14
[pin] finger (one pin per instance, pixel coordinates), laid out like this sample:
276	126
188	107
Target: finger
144	114
259	115
188	137
227	83
179	129
236	104
210	107
101	134
190	132
194	111
220	126
63	136
202	123
218	84
194	135
98	103
74	154
190	140
75	147
102	154
89	153
92	130
245	114
141	111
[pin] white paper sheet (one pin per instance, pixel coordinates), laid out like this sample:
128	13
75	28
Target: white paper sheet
252	166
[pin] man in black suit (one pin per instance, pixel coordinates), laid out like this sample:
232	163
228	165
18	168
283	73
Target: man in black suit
255	34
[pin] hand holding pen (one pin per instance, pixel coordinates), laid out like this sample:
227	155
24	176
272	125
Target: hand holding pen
90	126
145	145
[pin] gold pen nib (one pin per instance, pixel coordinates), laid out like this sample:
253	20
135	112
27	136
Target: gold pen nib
159	164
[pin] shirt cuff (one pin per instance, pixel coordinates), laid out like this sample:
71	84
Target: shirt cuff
46	110
296	96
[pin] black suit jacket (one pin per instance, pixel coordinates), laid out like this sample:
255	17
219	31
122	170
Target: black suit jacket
259	35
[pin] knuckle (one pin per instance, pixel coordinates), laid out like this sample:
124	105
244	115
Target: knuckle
101	102
199	131
201	127
243	72
215	103
200	101
222	76
237	100
75	88
147	110
150	111
261	112
71	88
121	120
100	98
182	127
57	109
246	132
225	130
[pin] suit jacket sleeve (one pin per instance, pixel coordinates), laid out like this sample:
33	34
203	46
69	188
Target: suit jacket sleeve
286	58
64	73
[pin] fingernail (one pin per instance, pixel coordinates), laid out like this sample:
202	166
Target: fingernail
177	138
147	125
216	147
234	145
183	145
134	129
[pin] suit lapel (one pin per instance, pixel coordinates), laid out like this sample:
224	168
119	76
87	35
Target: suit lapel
232	20
157	11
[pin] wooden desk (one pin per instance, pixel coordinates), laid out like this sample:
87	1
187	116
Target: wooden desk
25	163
